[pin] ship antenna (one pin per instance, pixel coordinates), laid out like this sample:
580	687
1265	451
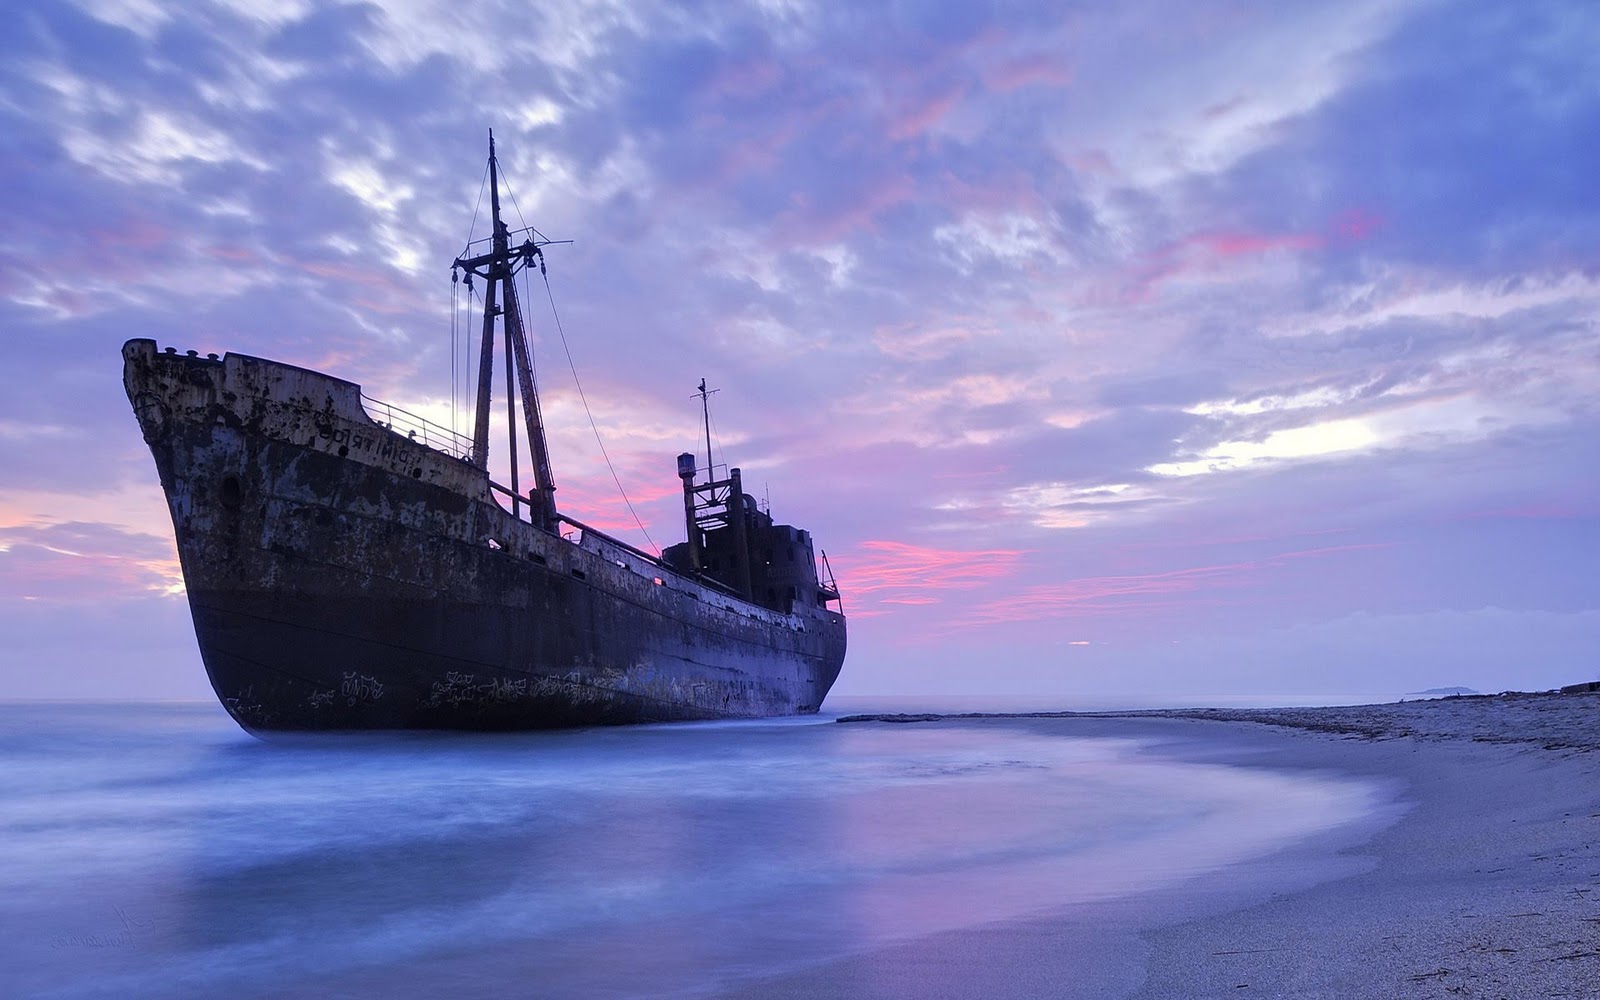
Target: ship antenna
705	411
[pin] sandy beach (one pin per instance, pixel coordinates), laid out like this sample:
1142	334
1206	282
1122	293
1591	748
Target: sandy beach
1482	881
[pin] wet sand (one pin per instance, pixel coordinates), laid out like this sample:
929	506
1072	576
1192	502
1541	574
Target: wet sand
1483	880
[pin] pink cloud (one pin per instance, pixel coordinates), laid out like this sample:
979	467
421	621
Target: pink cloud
999	190
755	154
885	572
764	138
1223	109
75	563
233	254
603	509
1104	595
920	117
1028	71
744	79
377	290
139	234
1092	161
1207	252
915	342
1234	244
805	223
1210	250
1358	224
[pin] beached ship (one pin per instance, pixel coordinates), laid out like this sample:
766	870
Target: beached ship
351	566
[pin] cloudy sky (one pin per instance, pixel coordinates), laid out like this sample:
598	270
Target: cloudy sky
1153	348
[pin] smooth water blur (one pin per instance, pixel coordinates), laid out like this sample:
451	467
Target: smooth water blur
156	849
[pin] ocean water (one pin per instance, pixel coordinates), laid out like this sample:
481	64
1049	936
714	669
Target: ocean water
157	850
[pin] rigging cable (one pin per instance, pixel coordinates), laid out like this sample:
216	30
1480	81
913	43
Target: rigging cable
716	435
455	296
482	185
458	389
575	380
592	425
471	382
520	217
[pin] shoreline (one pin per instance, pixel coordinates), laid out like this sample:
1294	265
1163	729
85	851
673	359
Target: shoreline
1552	720
1486	884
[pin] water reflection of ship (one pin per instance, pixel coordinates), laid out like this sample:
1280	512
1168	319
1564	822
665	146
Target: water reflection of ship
351	566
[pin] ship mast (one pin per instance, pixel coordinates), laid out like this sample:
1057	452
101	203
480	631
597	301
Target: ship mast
498	267
705	411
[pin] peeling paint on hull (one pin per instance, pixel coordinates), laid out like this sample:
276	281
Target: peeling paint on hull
343	575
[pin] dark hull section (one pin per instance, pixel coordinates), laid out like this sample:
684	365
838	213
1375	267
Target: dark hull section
277	676
344	576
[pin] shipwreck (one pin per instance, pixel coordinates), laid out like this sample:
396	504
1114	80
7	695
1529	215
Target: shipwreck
349	565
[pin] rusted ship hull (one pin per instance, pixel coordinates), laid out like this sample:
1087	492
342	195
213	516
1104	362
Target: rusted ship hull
345	575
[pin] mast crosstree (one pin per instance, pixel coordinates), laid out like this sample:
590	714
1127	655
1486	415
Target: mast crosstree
498	268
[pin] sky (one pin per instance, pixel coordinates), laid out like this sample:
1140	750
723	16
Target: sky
1152	349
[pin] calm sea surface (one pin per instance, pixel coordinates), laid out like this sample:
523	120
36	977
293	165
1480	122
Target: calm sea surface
151	850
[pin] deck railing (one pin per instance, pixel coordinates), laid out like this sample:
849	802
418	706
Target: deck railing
421	430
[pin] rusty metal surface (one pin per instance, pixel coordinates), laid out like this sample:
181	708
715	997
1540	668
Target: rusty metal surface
342	575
